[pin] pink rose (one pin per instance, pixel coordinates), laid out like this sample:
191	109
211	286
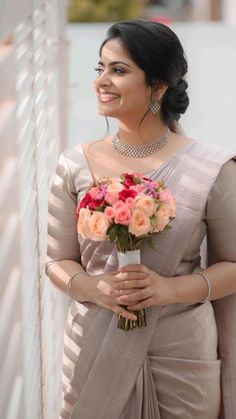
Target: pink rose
118	205
139	188
130	202
109	213
98	225
139	223
146	204
94	192
122	215
162	218
83	222
111	197
166	196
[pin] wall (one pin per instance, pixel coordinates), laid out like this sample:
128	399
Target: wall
33	72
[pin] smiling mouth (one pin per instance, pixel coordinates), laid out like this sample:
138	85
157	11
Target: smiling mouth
108	97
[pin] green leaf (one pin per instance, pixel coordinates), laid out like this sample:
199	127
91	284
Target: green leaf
112	232
101	209
153	221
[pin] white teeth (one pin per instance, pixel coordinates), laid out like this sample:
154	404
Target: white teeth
106	97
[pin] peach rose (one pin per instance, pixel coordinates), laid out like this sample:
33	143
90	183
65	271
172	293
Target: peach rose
115	180
83	222
139	223
115	187
122	215
162	218
146	204
109	213
111	197
166	196
98	225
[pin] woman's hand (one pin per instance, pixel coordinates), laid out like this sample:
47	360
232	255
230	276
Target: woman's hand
105	290
152	290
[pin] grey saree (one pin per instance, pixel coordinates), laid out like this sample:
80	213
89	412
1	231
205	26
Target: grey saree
173	368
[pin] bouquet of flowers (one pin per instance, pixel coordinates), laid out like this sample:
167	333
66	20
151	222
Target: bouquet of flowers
126	210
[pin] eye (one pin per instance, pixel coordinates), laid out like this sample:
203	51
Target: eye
118	70
98	70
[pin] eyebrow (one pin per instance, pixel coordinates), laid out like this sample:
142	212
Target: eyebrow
114	63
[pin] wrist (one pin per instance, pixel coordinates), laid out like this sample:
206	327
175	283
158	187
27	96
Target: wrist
191	289
77	287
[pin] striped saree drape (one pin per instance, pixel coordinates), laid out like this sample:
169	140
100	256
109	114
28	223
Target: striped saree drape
171	368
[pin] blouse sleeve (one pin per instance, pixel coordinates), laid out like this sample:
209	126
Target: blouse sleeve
62	218
221	216
221	219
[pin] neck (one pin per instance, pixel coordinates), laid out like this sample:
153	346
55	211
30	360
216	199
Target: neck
150	129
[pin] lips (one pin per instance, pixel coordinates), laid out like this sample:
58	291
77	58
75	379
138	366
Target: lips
108	97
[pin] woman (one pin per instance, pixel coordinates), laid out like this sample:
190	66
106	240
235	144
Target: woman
170	369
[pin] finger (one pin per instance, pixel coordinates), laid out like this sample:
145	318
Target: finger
135	283
124	276
120	310
141	304
115	272
136	296
126	292
134	268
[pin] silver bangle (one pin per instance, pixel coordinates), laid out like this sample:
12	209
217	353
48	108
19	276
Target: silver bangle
69	289
208	286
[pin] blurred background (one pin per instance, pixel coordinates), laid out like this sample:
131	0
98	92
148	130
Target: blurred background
48	51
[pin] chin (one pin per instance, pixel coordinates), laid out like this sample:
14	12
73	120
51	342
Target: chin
107	112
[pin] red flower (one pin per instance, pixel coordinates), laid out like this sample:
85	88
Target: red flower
84	203
127	193
129	180
95	203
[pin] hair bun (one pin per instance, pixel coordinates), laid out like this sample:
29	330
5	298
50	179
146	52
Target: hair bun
175	101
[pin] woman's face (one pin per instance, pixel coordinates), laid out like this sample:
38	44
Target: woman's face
120	85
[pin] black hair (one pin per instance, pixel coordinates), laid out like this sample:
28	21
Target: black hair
156	49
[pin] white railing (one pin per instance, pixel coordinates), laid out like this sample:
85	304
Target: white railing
33	85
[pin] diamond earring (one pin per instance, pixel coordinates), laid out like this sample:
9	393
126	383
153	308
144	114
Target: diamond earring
155	106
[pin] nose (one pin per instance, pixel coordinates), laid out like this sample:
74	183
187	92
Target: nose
103	80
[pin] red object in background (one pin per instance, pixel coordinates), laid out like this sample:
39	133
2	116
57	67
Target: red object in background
166	20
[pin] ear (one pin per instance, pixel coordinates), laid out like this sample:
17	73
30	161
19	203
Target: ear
159	90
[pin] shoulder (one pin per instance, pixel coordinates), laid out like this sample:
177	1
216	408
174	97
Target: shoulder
75	152
222	197
227	175
210	153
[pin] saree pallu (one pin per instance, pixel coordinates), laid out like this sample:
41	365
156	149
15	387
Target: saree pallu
169	370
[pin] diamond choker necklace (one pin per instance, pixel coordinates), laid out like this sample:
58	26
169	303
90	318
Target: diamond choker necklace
139	150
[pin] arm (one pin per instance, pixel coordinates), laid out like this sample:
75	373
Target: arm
221	237
64	258
63	253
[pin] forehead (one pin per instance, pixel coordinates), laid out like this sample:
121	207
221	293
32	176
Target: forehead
113	50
